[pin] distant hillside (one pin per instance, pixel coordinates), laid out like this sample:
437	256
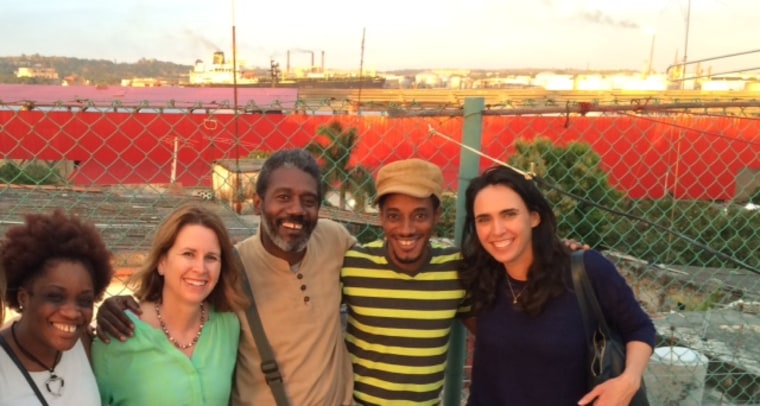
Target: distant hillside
92	71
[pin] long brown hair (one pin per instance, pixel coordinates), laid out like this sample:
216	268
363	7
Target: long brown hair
227	295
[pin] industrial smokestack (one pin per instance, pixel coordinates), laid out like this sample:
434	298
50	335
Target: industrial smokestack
287	63
312	60
322	65
218	58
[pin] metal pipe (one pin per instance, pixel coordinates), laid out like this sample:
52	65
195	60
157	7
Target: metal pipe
472	130
585	108
712	59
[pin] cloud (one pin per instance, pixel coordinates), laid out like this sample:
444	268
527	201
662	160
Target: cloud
598	17
199	40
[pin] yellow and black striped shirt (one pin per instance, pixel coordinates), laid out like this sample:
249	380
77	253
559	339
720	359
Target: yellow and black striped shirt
398	324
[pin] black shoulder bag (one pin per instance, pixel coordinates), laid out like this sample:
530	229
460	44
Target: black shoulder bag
268	364
23	370
605	347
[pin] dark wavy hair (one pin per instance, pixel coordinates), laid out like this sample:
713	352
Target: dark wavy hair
289	158
30	248
2	296
227	295
483	276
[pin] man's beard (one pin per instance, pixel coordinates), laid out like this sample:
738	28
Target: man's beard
270	227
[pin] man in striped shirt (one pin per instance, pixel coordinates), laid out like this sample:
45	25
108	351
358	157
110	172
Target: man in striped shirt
402	293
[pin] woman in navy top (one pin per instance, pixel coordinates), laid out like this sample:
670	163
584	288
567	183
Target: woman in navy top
530	346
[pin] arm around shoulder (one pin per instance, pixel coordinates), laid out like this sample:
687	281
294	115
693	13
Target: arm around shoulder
112	319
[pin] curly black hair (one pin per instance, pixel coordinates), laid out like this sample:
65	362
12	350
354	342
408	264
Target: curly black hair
29	248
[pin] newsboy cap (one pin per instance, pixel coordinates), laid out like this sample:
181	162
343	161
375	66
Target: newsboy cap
413	177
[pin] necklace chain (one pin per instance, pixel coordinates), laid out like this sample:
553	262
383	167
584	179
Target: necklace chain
517	296
54	384
172	339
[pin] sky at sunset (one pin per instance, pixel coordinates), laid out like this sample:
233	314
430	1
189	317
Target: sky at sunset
485	34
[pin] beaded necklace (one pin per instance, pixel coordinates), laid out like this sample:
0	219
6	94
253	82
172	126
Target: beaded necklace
169	336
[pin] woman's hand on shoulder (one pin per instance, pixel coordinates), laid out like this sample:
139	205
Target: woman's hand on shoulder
573	245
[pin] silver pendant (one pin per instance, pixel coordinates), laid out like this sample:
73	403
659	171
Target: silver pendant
54	385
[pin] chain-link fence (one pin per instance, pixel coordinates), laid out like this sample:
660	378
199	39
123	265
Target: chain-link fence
669	189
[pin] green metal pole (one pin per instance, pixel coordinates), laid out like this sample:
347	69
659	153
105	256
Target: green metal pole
469	167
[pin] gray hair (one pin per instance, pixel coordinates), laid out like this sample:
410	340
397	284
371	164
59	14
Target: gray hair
294	158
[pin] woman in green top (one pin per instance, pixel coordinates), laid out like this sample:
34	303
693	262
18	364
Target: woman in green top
186	332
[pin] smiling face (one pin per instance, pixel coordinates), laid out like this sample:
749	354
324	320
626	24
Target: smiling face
408	223
289	211
191	267
504	226
57	307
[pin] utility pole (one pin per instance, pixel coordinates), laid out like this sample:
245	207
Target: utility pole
238	186
651	57
361	74
686	44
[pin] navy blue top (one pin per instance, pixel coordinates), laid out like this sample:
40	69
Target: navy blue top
522	360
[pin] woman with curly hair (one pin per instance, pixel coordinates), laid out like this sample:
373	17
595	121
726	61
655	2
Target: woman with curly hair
56	267
530	346
186	331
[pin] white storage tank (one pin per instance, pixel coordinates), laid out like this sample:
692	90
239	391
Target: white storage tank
676	376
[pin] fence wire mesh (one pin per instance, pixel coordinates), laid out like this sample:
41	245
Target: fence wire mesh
669	189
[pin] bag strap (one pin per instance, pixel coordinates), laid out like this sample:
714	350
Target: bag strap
268	363
584	291
23	370
589	303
